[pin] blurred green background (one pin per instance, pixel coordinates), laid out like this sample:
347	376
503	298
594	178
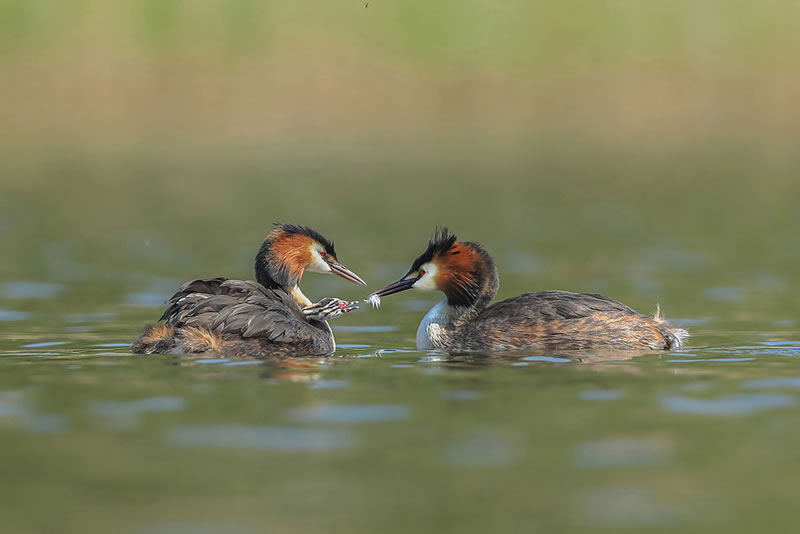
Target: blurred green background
165	136
643	149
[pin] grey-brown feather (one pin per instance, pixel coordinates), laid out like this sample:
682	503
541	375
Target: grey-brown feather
550	305
562	320
250	317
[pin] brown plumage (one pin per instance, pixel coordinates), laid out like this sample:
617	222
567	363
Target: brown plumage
262	318
547	320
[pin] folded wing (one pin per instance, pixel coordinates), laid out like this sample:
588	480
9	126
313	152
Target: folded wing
239	308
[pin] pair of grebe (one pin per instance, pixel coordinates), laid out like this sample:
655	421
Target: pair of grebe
271	317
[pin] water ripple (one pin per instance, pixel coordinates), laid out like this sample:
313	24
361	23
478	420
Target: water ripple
767	383
602	395
123	414
30	290
719	360
620	453
350	413
462	395
287	439
768	348
46	423
90	317
329	384
146	300
243	363
481	449
11	315
742	404
724	294
194	527
623	507
550	359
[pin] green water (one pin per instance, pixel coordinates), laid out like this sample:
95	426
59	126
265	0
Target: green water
381	437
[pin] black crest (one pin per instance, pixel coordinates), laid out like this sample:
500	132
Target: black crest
313	234
439	243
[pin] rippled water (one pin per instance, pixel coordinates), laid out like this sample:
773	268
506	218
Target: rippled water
376	436
382	437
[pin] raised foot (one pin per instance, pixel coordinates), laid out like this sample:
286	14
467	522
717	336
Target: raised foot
328	308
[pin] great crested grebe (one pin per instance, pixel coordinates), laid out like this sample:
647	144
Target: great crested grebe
268	317
547	320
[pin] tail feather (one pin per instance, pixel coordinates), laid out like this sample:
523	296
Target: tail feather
195	339
676	337
156	339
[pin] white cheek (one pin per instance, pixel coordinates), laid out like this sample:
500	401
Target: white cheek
428	281
318	265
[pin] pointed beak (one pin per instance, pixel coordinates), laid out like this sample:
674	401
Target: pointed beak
396	287
340	270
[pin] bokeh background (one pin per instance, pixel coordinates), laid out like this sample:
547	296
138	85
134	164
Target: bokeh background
643	149
165	136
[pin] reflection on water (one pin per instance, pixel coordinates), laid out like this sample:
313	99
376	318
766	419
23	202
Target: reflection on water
724	294
284	439
193	527
767	383
352	413
481	449
462	395
740	404
11	315
30	290
210	360
624	507
20	406
775	348
90	317
602	395
550	359
146	300
124	414
45	344
610	453
329	384
45	422
715	360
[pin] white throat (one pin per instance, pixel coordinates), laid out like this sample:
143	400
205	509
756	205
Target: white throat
435	328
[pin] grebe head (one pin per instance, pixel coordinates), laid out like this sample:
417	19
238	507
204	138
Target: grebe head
463	271
291	249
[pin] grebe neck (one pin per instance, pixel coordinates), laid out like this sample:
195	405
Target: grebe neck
298	296
440	324
271	272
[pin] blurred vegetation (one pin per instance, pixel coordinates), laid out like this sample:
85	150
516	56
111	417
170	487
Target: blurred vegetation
246	73
603	139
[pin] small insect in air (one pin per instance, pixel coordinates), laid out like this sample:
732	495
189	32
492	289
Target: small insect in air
366	5
374	300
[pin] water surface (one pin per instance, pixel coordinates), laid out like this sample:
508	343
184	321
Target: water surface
381	437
